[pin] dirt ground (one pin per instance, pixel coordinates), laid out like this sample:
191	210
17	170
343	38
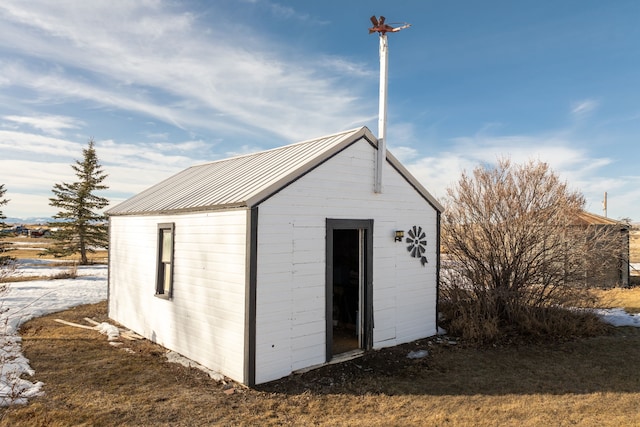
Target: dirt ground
575	382
89	382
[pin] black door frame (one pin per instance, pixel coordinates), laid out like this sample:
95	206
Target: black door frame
350	224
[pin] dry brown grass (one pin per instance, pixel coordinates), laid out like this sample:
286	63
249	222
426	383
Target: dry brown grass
88	382
25	248
627	298
477	316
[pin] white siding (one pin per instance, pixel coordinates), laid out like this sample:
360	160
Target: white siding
205	320
290	313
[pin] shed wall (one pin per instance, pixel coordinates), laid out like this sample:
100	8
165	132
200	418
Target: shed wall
205	319
290	301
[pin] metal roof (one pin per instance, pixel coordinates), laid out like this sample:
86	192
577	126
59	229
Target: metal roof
588	218
247	180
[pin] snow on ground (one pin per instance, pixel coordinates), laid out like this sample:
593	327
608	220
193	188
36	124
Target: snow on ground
26	300
46	268
619	317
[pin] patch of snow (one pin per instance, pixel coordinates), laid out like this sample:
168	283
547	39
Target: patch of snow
46	268
417	354
618	317
13	389
38	261
26	300
112	332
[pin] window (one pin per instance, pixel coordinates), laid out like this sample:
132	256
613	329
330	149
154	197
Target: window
164	280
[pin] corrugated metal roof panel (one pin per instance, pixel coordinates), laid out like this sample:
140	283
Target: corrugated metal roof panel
237	181
588	218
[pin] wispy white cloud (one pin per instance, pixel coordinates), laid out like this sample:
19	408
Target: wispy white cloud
404	154
628	188
187	70
580	169
153	52
584	107
242	150
559	150
25	144
34	163
282	12
162	136
154	59
30	204
52	125
341	66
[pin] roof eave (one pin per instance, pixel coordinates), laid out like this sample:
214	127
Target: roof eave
198	209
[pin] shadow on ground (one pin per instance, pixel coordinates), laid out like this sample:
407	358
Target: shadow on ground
586	365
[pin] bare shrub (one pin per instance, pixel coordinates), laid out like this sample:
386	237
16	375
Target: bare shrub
516	253
70	273
8	270
5	247
467	317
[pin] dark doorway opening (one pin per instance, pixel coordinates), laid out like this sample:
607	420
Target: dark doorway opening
349	286
346	291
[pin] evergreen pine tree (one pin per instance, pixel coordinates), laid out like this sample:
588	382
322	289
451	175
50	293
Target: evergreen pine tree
5	247
81	228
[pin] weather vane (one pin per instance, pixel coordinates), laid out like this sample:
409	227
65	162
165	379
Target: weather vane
382	29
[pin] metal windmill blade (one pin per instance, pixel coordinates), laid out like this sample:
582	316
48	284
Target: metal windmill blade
380	27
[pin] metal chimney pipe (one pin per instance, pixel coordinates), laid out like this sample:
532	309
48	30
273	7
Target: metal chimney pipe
382	113
382	29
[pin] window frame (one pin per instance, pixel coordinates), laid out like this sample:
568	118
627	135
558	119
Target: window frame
162	290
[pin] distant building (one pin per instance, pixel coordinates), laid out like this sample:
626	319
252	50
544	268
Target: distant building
607	268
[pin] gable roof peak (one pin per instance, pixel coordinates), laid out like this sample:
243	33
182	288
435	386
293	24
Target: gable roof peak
248	179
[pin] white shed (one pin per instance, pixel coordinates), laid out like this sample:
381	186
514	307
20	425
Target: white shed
263	264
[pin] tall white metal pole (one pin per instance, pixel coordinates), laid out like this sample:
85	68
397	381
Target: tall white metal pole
382	113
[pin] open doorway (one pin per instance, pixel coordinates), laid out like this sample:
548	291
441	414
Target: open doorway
346	291
349	258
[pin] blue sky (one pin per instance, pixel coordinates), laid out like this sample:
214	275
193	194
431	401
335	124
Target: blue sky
162	85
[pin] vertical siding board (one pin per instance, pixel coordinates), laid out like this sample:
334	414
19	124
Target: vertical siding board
205	319
273	298
294	220
211	316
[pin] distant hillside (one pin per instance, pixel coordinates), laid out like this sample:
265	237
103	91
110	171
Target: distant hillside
31	220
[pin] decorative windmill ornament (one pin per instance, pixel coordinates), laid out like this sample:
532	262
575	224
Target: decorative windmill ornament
417	244
382	29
